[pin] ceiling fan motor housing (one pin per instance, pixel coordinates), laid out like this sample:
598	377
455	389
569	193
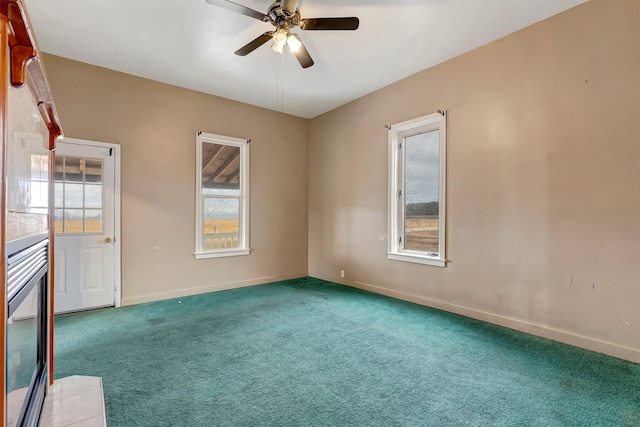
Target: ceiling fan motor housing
289	7
281	17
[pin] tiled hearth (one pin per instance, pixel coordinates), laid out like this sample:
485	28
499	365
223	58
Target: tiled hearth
74	401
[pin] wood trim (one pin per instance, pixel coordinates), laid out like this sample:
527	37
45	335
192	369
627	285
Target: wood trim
20	56
26	62
54	132
51	276
20	42
4	81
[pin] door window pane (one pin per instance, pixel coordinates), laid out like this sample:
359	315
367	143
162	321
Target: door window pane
59	194
59	215
92	221
73	220
73	169
92	196
73	195
59	168
421	192
93	170
78	198
221	223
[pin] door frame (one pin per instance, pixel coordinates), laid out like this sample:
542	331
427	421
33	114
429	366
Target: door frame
117	292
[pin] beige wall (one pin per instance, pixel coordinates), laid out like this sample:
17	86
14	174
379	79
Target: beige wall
543	179
543	182
156	125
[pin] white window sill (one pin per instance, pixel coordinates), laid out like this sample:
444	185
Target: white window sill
221	254
417	259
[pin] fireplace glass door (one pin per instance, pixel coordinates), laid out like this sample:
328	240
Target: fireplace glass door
26	334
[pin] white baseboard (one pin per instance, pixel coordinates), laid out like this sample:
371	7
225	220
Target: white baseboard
567	337
209	288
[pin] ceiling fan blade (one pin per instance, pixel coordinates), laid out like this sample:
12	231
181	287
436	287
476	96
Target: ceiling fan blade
238	8
254	44
308	24
289	6
302	54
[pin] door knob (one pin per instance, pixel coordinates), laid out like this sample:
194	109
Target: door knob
107	240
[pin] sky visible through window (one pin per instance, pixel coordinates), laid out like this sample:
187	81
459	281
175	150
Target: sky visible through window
421	171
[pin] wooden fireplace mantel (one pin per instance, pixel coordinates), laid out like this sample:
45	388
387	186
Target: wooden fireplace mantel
26	63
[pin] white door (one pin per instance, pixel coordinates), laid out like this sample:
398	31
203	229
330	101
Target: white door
85	222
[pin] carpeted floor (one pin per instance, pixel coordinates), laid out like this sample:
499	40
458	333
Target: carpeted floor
307	352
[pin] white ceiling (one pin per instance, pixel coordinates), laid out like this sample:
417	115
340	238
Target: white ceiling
190	43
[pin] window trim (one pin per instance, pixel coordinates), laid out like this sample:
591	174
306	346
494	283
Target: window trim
397	133
243	227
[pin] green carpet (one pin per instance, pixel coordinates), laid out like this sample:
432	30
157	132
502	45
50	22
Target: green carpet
312	353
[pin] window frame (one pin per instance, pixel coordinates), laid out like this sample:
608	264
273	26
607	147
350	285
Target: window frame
243	214
397	133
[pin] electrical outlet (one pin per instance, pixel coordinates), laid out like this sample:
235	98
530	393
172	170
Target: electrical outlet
341	273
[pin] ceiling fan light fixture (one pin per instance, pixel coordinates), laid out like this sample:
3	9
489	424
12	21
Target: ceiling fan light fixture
277	47
294	43
279	40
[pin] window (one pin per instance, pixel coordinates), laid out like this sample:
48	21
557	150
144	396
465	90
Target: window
222	196
417	159
78	201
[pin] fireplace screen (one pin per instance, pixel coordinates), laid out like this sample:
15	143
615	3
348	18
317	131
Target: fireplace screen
26	334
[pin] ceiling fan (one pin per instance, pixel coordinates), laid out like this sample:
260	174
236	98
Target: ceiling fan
285	15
